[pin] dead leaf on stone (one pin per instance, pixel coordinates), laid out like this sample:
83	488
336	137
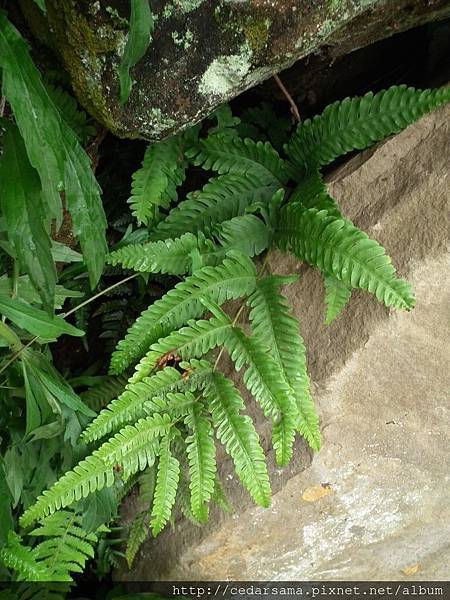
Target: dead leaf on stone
314	493
411	569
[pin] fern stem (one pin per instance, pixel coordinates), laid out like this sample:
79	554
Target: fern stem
294	108
241	308
105	291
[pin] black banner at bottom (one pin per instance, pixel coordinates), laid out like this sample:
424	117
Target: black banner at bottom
227	590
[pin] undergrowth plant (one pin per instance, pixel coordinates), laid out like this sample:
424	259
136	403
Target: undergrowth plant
156	419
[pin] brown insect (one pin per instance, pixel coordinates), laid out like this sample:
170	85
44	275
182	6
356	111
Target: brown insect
167	359
185	375
117	469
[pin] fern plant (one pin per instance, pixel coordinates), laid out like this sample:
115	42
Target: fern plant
177	399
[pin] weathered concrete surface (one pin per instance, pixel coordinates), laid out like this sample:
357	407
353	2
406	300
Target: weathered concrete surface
380	380
204	53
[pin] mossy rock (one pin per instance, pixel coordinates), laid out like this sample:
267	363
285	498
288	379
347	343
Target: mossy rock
205	53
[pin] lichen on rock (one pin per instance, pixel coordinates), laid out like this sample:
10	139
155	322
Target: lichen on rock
205	53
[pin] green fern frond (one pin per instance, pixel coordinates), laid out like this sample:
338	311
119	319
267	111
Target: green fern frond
89	475
98	396
337	294
166	256
220	200
234	277
193	341
67	547
20	558
129	406
139	529
155	183
133	448
226	154
239	437
201	453
341	250
166	487
246	234
176	404
355	123
279	330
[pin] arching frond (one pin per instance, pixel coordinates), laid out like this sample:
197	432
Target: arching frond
341	250
154	184
220	200
166	487
246	234
89	475
234	277
337	294
356	123
226	154
279	331
201	453
239	437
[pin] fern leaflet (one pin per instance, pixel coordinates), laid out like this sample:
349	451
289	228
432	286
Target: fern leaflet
337	294
279	331
166	487
246	234
201	453
188	342
239	437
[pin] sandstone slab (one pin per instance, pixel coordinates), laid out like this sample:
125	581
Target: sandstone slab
373	503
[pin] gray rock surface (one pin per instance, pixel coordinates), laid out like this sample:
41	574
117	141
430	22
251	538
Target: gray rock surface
204	53
373	503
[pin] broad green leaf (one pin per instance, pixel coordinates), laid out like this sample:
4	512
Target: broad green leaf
53	149
139	36
25	217
98	508
14	473
36	321
6	520
41	4
54	383
62	253
27	292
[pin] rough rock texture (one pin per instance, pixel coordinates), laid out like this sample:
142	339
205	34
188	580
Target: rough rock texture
373	502
204	53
